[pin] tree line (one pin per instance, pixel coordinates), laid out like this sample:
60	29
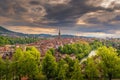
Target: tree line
5	40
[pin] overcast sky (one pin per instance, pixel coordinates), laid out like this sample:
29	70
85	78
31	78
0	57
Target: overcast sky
98	18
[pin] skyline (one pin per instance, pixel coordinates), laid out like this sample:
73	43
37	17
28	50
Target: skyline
92	18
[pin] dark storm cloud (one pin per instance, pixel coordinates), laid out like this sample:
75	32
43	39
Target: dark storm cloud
34	2
78	15
7	7
71	11
117	18
61	12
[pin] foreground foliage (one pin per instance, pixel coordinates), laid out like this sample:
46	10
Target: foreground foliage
28	63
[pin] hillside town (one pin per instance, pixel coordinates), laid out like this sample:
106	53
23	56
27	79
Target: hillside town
44	45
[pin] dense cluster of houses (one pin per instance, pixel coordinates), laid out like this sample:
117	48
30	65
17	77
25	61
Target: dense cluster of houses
45	45
6	50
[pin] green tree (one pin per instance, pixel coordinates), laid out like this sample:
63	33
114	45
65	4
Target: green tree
52	50
26	63
40	76
28	66
18	54
7	69
49	66
17	57
2	68
96	44
34	52
109	61
70	62
62	70
77	73
91	69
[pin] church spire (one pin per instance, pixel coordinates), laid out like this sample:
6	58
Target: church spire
59	34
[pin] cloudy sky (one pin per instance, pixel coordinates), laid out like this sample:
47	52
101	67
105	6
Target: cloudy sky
97	18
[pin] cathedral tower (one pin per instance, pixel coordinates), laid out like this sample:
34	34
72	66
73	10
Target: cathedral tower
59	34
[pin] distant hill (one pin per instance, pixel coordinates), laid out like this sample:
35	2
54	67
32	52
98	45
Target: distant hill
6	32
3	30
